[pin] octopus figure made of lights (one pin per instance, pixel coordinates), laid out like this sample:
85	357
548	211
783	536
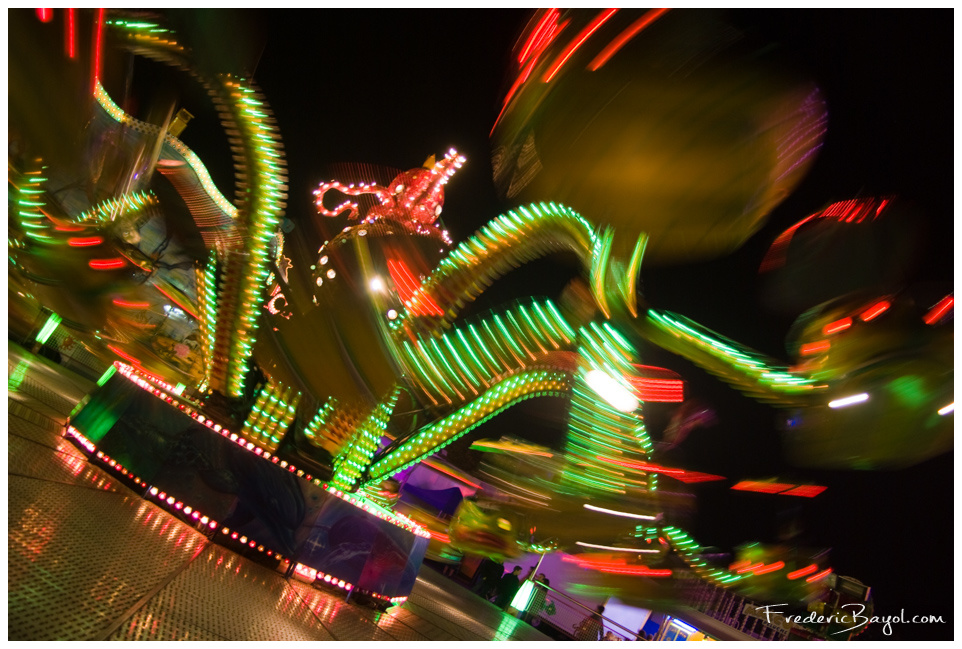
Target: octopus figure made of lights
414	198
371	371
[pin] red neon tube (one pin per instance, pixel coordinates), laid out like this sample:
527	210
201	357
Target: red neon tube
579	40
650	16
98	41
71	35
875	310
807	570
939	310
84	241
107	264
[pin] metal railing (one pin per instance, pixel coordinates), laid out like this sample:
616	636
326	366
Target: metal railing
554	612
734	611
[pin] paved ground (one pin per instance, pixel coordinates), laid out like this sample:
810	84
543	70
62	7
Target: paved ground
89	560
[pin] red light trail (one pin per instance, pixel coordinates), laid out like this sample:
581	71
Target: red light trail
650	16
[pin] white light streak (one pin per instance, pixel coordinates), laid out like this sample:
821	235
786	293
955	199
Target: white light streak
643	517
848	401
608	547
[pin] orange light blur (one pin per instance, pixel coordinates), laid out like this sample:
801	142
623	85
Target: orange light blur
650	16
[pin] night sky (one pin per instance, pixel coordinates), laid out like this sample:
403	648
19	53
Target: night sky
392	87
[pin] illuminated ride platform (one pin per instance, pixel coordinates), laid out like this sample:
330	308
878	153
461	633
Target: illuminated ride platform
161	445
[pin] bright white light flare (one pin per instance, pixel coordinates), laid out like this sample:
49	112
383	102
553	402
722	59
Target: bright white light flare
611	391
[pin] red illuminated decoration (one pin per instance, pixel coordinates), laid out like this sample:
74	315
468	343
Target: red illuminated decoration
45	15
656	384
633	30
660	390
850	211
272	306
939	310
169	502
414	198
164	390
